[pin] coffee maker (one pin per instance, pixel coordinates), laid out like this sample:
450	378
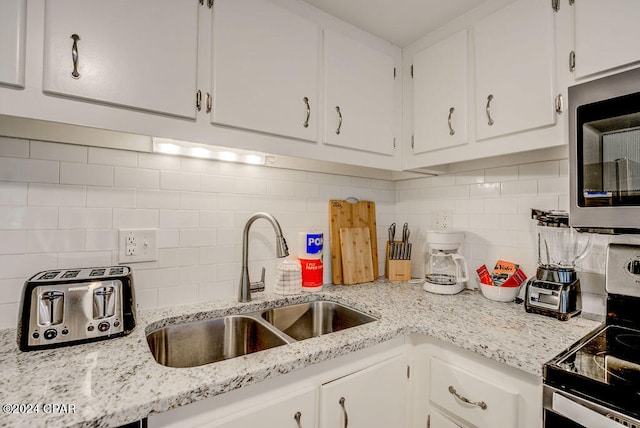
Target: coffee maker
446	271
555	290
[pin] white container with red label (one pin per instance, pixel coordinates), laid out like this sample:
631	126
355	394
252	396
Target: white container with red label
310	255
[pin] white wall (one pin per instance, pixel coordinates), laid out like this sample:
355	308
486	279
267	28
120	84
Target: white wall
61	207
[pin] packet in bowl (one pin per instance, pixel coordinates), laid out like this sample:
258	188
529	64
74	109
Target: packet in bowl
505	282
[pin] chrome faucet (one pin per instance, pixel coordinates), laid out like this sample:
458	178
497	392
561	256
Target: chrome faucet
246	286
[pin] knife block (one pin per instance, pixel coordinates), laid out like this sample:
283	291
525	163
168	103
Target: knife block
397	270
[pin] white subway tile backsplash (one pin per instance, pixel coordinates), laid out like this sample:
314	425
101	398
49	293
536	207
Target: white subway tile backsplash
553	186
85	218
135	218
180	295
136	178
12	193
23	266
198	201
161	199
471	177
14	147
539	169
160	162
197	237
101	240
13	242
103	197
28	217
55	241
29	170
496	175
89	175
11	290
179	219
519	188
58	152
57	195
174	180
119	158
485	190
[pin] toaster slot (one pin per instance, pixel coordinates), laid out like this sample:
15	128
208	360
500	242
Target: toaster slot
104	302
50	308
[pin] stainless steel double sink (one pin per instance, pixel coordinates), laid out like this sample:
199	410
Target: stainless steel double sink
196	343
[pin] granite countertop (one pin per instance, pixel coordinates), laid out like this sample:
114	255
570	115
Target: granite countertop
117	381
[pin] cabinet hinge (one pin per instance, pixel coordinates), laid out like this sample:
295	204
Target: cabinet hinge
413	142
555	4
408	372
559	104
572	61
412	71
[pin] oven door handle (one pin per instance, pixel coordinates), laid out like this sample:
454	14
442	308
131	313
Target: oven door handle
582	415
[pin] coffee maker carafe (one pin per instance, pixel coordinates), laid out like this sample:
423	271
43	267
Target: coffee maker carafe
445	269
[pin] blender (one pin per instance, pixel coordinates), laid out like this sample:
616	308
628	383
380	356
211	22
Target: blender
445	269
555	290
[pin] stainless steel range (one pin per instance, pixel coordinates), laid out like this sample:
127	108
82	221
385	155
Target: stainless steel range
596	382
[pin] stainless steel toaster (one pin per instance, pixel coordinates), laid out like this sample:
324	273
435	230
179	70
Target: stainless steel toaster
69	306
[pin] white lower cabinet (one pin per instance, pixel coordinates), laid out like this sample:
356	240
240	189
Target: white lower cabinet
373	397
294	410
453	388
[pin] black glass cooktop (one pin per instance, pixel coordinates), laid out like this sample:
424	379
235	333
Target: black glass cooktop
603	367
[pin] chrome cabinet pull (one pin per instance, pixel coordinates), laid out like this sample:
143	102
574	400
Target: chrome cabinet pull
480	404
199	100
297	417
489	99
339	120
451	131
344	410
306	102
209	101
74	56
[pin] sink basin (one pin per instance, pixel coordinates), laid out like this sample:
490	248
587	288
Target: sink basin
202	342
305	320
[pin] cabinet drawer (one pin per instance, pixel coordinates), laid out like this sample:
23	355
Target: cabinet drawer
447	380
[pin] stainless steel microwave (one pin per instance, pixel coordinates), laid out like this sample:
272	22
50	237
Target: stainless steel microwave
604	153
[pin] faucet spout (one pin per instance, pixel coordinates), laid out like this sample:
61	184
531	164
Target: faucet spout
244	292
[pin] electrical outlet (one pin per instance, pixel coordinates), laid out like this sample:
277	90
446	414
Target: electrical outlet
443	219
137	245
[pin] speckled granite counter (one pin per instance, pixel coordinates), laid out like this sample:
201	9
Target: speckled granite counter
117	381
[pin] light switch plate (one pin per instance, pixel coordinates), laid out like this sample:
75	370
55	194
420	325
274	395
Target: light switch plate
137	245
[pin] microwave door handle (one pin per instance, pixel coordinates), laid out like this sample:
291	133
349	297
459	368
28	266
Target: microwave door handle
581	414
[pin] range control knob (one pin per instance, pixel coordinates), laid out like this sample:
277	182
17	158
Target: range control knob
104	326
50	334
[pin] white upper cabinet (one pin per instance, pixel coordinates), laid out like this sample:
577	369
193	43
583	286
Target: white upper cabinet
140	54
265	69
13	22
515	69
359	95
440	94
606	35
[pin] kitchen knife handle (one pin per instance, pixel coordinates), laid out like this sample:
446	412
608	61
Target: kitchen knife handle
306	102
451	130
297	417
339	120
344	410
488	108
74	56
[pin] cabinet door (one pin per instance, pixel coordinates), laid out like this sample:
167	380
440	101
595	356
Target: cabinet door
514	60
359	102
133	53
292	411
440	94
606	35
373	397
438	420
265	71
13	16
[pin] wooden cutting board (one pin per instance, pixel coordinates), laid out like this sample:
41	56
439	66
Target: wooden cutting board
357	263
344	214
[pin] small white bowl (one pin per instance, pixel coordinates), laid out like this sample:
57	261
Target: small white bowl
499	294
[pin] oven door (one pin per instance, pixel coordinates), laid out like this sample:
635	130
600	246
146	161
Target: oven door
564	410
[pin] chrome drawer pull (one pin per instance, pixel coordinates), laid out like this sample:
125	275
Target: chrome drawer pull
297	417
306	102
339	120
489	99
344	410
451	130
480	404
74	56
